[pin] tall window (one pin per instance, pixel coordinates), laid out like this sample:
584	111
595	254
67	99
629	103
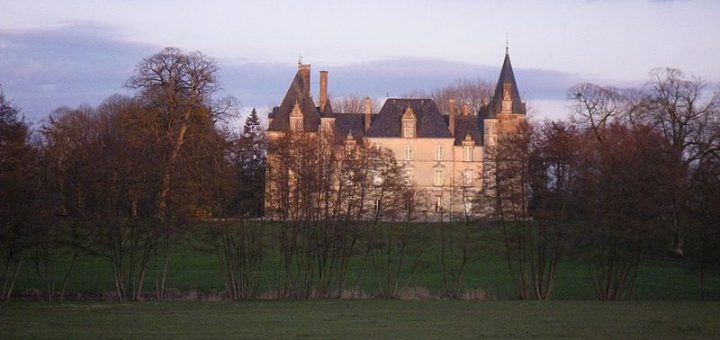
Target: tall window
408	152
468	153
438	204
439	178
408	123
468	176
438	152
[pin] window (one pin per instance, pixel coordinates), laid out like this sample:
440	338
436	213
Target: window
468	153
408	129
408	123
296	124
438	152
408	152
377	180
327	126
409	175
296	118
468	176
439	178
468	205
438	204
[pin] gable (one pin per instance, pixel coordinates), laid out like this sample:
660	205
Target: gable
295	94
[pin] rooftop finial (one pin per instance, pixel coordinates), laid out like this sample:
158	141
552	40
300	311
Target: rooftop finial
299	59
507	43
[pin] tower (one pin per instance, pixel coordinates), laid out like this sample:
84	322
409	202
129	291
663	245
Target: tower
506	110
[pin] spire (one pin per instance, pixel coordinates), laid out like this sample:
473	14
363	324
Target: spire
507	43
507	90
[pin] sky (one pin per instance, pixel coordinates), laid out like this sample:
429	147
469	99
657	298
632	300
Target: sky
69	52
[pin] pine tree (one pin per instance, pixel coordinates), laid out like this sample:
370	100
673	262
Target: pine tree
252	151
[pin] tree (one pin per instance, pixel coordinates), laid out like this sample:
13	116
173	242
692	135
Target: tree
250	163
518	174
179	86
474	92
17	194
352	104
622	196
176	87
677	109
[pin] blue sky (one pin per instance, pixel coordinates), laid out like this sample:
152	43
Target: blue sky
72	52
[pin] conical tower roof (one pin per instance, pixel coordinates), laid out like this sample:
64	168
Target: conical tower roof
507	76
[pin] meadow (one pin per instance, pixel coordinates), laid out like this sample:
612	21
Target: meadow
194	268
363	319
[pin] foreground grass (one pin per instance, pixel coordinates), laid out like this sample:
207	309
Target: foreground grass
363	319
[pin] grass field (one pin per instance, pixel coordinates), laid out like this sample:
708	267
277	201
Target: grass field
660	279
363	319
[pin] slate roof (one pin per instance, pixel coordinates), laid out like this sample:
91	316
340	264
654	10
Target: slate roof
506	76
430	123
348	122
295	94
471	124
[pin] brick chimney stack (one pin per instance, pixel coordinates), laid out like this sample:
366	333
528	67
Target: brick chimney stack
323	90
305	73
452	112
368	113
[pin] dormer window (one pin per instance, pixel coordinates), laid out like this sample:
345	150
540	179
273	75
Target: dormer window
350	143
296	118
507	98
409	123
468	145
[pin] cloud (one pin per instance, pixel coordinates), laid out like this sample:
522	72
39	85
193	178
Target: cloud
69	65
86	63
263	84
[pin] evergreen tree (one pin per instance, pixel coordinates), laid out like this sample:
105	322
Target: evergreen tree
251	154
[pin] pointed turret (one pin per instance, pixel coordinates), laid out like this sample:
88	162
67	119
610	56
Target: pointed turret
297	99
506	99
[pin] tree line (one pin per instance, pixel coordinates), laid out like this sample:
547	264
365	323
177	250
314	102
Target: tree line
634	173
121	180
631	177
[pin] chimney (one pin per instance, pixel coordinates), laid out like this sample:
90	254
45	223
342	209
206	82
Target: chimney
368	113
305	73
466	110
452	112
323	90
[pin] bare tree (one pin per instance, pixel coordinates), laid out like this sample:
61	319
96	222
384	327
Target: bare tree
474	92
352	103
677	109
177	86
595	106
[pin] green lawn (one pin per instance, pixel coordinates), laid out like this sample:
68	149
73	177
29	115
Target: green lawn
190	269
363	319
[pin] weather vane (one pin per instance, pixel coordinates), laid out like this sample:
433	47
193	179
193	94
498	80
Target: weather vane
299	59
507	42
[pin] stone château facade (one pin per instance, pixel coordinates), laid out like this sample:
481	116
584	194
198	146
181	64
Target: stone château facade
443	154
